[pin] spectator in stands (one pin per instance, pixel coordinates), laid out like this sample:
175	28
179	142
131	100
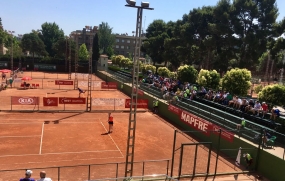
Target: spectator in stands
264	109
163	89
228	98
28	175
257	108
243	105
193	94
209	95
233	101
43	177
274	113
238	103
250	106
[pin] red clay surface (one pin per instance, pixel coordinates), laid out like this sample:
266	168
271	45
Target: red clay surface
80	138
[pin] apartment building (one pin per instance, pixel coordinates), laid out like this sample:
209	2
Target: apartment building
84	36
125	44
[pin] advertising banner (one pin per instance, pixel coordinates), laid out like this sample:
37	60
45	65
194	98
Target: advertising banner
24	100
44	67
140	92
141	103
109	85
63	82
107	102
3	64
50	101
95	84
196	122
174	109
72	100
224	134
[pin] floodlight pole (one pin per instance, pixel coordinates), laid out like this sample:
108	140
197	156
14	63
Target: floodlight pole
12	59
69	65
134	95
89	96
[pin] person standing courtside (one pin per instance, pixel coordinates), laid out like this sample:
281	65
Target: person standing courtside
28	175
111	123
43	177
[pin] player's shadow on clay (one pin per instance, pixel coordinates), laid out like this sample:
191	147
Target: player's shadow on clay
105	133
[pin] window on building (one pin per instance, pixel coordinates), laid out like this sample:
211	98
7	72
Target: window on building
122	52
117	40
128	47
128	41
134	42
123	40
122	47
117	46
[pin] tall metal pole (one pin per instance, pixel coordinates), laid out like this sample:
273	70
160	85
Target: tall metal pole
267	68
89	95
12	60
69	65
134	96
76	63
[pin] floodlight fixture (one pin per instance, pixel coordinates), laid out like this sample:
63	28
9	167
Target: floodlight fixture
145	4
131	2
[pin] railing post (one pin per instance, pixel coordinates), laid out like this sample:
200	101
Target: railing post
167	167
173	150
218	151
58	173
117	168
88	172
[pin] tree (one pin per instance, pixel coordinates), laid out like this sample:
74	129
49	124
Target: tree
187	73
119	59
210	79
106	38
83	53
274	94
149	67
50	34
237	81
32	43
96	53
163	71
154	44
125	62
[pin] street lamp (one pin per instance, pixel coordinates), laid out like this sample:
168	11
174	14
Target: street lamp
12	66
135	86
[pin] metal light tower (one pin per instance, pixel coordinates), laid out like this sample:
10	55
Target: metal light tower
89	95
20	61
12	60
69	58
135	86
76	61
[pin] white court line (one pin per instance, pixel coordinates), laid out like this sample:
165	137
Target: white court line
19	136
63	122
42	138
113	140
83	159
59	153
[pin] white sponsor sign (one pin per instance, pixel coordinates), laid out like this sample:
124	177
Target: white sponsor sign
107	102
94	84
26	100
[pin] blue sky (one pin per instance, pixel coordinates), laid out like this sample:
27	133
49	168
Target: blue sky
22	16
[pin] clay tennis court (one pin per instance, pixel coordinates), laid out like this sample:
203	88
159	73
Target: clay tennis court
40	140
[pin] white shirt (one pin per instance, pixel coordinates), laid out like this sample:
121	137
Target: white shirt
45	179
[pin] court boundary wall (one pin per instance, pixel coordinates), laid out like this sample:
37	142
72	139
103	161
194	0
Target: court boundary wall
267	164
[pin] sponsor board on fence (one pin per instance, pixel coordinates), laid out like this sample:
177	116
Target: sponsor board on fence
24	100
71	100
174	109
50	101
63	82
140	92
95	84
141	103
109	85
201	124
44	67
224	134
107	102
196	122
